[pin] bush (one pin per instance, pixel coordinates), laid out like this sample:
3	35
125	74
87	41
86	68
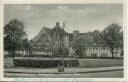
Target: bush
43	62
38	56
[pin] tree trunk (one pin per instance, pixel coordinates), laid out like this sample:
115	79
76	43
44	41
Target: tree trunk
13	53
112	54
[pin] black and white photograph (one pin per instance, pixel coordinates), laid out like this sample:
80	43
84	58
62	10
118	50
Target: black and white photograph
63	41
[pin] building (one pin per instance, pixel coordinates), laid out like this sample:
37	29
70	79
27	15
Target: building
94	50
101	51
48	39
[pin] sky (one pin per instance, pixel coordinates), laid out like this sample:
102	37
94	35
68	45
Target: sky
82	17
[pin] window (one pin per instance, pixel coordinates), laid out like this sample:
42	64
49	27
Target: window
104	55
94	54
103	48
107	48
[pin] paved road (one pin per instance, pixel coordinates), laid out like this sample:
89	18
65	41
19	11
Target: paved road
69	70
108	74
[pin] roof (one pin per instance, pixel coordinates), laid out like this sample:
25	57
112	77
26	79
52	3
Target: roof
46	33
96	45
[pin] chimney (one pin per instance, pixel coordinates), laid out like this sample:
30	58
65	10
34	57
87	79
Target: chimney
57	24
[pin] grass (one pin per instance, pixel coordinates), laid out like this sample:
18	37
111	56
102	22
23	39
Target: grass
99	62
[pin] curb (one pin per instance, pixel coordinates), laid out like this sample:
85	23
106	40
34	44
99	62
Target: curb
66	72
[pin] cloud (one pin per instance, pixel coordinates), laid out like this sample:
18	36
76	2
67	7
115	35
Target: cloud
83	17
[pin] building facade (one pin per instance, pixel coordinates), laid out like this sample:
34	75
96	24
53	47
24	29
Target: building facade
100	51
49	39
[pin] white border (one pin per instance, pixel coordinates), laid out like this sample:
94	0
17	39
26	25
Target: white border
59	1
65	2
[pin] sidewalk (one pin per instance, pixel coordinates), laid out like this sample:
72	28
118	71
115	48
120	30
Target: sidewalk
69	70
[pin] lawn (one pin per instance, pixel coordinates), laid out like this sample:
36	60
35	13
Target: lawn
100	62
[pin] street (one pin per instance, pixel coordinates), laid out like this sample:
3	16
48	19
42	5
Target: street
108	74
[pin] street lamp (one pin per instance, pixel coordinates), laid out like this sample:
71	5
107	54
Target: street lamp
61	39
63	52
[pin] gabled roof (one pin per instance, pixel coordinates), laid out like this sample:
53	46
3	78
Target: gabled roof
42	36
45	34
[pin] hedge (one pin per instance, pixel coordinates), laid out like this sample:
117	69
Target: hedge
43	62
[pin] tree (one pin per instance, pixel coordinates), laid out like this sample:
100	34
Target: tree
13	34
26	45
97	37
111	34
59	51
79	46
121	43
